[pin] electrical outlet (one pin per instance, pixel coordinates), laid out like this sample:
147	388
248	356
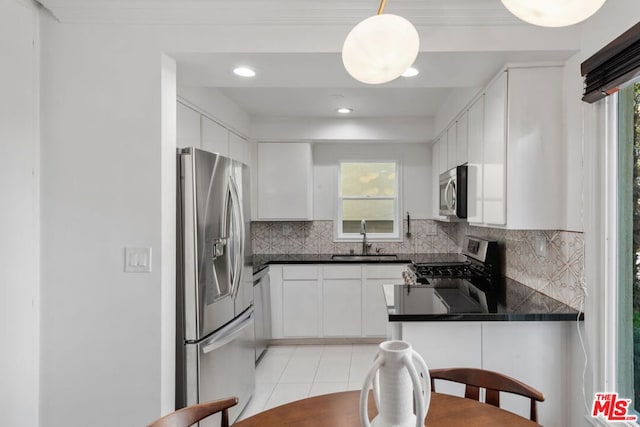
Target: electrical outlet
540	245
137	260
432	228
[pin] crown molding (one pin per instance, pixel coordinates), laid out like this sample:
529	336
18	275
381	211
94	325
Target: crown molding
277	12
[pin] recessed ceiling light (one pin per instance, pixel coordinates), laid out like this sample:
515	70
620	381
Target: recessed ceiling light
410	72
244	72
345	110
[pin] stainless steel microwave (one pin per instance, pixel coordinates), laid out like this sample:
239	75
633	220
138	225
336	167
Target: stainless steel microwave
453	192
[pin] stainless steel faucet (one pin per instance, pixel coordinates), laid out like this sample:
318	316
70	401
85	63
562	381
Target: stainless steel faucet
363	231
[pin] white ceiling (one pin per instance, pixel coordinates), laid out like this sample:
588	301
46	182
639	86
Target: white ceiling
315	84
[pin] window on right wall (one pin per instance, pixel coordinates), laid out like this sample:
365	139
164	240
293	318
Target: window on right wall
629	243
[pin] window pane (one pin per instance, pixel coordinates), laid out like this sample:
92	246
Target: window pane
368	179
377	213
629	244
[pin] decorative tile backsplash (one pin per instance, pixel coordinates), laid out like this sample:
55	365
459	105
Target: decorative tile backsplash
559	274
316	237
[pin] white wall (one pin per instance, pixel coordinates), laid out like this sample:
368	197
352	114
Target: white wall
19	214
416	174
102	187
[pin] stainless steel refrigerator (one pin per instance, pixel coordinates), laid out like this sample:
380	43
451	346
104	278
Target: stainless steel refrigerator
215	319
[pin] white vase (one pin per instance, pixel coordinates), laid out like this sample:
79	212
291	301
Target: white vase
396	383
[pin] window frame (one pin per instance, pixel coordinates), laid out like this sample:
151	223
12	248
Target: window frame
396	235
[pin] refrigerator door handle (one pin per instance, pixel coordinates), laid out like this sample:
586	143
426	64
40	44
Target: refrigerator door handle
227	334
239	260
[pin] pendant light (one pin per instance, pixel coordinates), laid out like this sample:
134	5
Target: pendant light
380	48
553	13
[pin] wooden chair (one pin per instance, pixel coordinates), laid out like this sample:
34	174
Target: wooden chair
190	415
492	382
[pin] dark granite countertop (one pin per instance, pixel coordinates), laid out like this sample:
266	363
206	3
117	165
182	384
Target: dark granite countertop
445	302
262	260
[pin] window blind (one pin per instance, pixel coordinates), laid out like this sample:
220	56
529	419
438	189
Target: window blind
613	65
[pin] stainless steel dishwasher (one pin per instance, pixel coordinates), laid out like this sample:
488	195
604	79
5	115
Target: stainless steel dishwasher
262	307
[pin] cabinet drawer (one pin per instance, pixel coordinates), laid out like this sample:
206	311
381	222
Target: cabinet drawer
342	271
299	272
386	271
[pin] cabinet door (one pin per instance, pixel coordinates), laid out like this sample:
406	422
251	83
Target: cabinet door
452	151
435	173
376	317
239	149
300	308
275	282
475	159
536	156
462	135
342	311
215	138
495	139
443	150
187	127
284	181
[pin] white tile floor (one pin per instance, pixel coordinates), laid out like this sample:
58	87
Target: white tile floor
293	372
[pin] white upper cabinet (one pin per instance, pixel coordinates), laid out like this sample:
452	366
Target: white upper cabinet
187	127
239	149
452	151
516	175
495	113
215	138
444	154
475	162
435	169
536	150
285	181
462	137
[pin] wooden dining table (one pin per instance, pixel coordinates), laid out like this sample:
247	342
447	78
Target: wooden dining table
342	410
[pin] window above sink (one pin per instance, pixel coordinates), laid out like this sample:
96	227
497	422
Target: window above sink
368	190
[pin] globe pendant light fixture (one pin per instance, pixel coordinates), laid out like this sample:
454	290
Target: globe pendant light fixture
553	13
380	48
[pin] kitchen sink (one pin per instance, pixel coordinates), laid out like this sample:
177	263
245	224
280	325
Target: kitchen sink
359	258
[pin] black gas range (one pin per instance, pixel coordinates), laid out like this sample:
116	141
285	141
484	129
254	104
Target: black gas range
482	262
469	285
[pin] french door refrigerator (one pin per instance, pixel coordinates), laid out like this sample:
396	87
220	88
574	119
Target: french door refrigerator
215	320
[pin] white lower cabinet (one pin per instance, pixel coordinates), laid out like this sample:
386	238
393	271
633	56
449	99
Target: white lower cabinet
341	307
318	301
300	301
300	313
535	353
376	319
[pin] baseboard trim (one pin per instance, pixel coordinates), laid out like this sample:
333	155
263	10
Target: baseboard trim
325	341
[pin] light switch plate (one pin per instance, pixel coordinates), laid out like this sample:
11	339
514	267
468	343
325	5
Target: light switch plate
137	260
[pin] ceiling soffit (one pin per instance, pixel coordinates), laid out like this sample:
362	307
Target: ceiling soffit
278	12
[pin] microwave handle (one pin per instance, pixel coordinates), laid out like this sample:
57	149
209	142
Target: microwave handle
450	196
